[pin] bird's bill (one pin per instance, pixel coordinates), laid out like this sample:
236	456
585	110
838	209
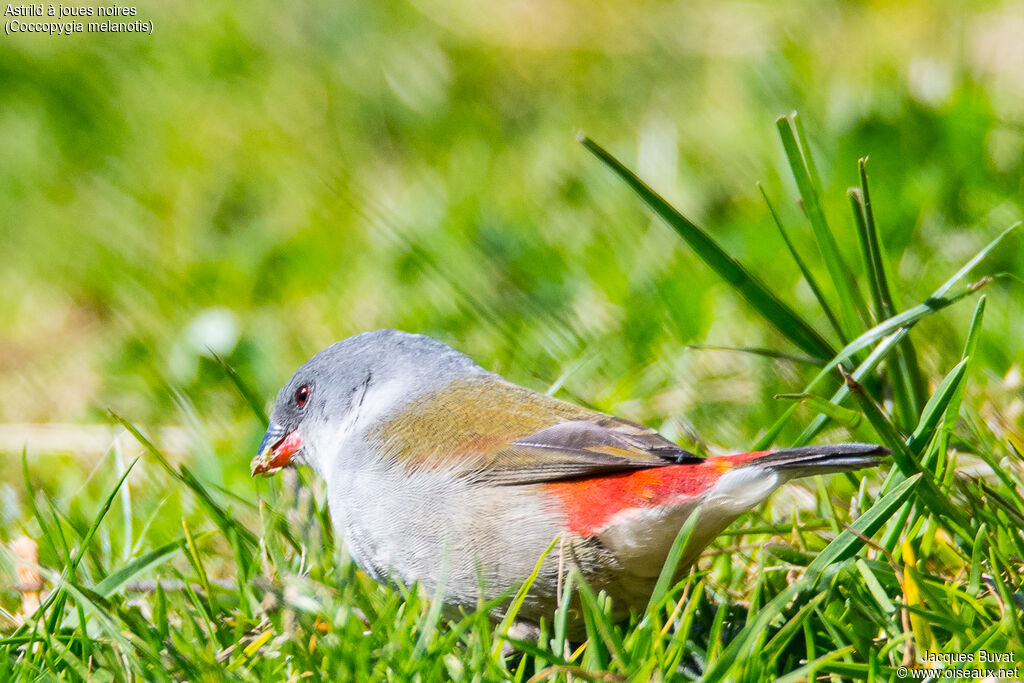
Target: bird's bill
276	450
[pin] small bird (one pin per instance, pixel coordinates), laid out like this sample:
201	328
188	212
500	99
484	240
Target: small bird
441	472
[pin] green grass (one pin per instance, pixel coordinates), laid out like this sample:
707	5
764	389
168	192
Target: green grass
195	580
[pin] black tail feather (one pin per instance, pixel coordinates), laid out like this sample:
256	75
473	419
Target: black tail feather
823	459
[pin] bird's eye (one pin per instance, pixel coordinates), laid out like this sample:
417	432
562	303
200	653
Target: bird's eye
302	395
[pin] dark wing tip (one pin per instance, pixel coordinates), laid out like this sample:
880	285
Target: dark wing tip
679	456
824	458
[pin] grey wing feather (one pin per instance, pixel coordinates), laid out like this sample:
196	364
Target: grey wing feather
579	448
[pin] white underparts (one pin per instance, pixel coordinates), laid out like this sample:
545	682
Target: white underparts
742	488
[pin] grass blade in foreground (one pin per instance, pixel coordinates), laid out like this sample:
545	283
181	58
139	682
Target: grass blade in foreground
953	411
250	396
517	601
909	388
851	304
109	585
809	278
668	570
841	548
781	316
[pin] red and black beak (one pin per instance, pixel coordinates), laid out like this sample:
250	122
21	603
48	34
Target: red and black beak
276	450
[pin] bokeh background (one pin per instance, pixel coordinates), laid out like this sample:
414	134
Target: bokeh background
260	179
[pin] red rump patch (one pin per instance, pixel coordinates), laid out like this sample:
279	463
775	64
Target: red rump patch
590	503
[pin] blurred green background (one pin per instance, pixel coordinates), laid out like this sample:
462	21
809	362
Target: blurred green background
263	179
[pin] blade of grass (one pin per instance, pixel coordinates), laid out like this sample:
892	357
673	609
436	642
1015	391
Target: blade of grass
933	411
66	559
937	406
250	396
763	300
603	623
843	416
517	601
595	654
126	505
776	645
668	570
766	353
807	671
874	587
30	498
851	304
905	408
953	409
1011	615
715	633
109	585
907	355
811	281
871	245
855	672
977	555
909	389
67	657
562	615
428	625
907	463
801	135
